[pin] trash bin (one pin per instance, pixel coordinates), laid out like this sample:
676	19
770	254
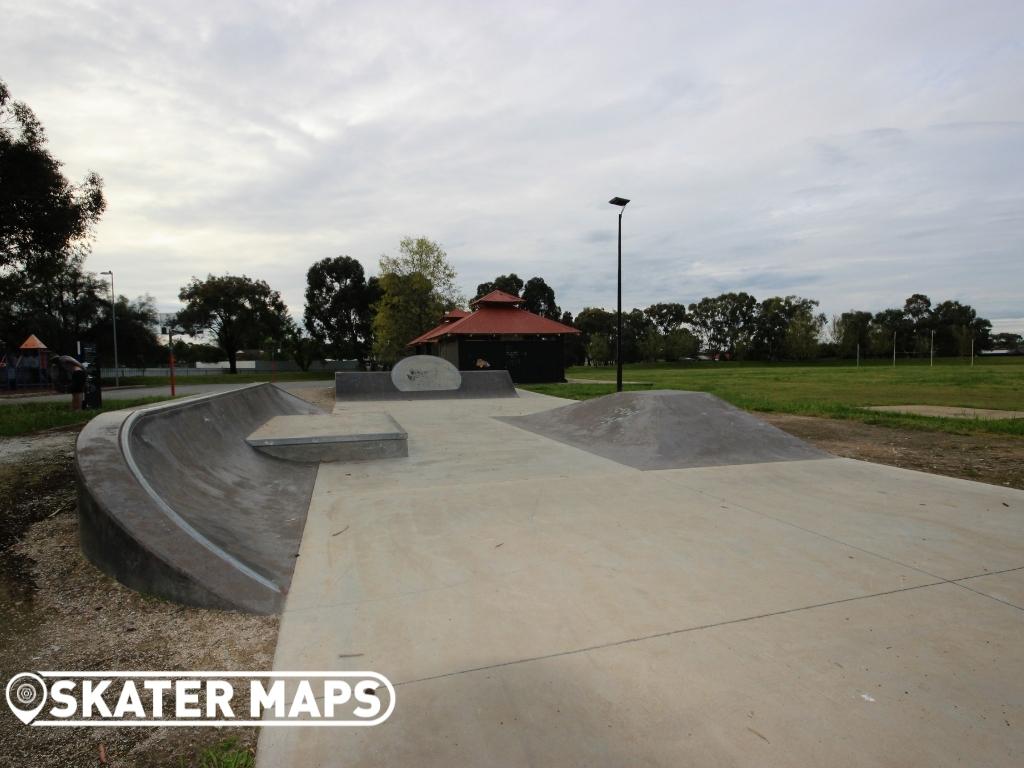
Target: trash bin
92	398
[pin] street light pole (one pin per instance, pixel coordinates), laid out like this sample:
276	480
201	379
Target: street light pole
621	202
113	320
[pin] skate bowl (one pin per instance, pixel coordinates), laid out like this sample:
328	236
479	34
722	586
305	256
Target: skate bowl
666	429
173	502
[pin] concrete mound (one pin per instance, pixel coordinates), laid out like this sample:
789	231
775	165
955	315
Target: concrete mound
378	385
666	429
173	502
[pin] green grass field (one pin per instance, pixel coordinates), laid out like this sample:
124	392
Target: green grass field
832	390
23	418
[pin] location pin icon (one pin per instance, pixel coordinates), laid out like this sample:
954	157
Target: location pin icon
26	696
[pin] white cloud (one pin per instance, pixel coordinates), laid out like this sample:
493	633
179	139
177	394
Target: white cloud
855	153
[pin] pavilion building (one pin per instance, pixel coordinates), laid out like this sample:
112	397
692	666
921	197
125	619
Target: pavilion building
499	334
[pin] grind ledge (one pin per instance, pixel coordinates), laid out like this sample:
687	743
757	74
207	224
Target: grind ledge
331	437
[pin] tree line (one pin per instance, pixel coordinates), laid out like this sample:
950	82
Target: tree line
738	326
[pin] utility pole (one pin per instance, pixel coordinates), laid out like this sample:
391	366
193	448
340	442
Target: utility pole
931	358
894	349
621	202
113	320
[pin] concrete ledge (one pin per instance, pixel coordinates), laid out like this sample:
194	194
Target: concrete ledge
353	436
377	385
173	503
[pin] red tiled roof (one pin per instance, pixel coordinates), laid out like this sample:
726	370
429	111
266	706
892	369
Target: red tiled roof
33	342
496	297
496	319
453	314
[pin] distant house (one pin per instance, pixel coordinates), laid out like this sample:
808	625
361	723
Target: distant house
499	334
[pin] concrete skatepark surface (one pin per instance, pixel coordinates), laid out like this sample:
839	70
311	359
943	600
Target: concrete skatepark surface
667	429
172	501
538	604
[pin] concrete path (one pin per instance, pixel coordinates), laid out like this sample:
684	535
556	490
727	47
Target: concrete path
949	411
536	604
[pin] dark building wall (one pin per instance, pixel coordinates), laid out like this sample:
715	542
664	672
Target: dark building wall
527	360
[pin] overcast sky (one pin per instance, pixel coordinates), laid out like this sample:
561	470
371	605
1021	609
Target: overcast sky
852	152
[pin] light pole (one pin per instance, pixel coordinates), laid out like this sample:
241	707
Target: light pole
113	320
621	202
931	352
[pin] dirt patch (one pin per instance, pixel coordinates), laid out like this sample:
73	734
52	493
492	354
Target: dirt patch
320	397
994	459
57	611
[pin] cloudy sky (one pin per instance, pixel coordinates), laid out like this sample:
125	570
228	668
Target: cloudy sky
853	152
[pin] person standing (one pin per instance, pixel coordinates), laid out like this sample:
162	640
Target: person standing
70	378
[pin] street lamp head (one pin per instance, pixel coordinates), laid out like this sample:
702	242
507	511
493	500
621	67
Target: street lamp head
107	272
619	201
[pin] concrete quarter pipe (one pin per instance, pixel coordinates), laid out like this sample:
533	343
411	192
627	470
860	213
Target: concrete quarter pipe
173	502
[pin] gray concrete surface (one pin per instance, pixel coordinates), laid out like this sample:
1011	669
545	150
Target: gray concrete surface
665	429
360	436
378	385
537	604
172	501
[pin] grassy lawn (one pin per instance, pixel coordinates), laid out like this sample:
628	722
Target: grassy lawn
832	390
23	418
221	378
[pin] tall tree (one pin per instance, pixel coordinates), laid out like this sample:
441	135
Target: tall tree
339	304
510	283
668	317
724	323
573	345
407	308
539	298
852	333
238	311
957	326
774	318
46	228
596	326
429	259
137	344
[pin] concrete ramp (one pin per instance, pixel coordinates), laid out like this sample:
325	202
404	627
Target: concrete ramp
378	385
666	429
173	502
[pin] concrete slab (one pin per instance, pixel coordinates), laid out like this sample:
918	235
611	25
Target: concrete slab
923	677
1007	586
942	526
356	436
502	571
542	605
949	412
